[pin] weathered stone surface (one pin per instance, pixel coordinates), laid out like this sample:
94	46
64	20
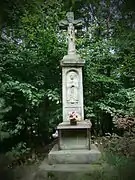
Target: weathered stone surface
80	125
70	23
44	171
68	167
72	91
82	156
73	60
75	136
72	171
72	86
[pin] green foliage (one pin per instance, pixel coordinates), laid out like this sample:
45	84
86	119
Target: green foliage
121	102
3	110
10	11
18	152
31	47
30	83
122	146
108	78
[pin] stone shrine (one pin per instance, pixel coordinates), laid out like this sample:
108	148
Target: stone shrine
72	72
74	146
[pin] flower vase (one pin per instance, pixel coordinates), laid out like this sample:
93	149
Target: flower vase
73	122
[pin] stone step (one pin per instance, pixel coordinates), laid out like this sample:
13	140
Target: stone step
81	156
70	171
69	167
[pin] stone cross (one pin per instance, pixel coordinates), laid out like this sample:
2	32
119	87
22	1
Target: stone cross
70	22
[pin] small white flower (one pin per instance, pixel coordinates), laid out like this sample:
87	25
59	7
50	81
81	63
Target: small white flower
55	135
57	102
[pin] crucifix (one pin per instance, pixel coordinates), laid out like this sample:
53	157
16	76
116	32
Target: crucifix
70	22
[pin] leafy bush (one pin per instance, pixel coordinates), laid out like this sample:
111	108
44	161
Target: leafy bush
30	84
18	153
120	146
126	123
3	110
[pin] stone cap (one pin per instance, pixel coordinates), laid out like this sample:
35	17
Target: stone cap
80	125
72	60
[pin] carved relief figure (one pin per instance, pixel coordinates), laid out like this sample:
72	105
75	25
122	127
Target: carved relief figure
71	39
72	87
71	22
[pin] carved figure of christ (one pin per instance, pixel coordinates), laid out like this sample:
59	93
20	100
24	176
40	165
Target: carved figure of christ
72	87
70	22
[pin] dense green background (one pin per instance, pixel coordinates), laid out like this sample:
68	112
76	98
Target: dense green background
31	47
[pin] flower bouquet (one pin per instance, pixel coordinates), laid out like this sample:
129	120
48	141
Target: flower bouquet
74	117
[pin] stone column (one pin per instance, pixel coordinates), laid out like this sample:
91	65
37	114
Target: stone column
72	85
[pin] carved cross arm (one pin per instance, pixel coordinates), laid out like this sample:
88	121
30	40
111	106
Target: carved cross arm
63	24
78	23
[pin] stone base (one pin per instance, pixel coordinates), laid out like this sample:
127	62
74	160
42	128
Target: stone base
70	171
81	156
74	137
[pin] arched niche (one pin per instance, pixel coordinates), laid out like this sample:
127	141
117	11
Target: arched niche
72	86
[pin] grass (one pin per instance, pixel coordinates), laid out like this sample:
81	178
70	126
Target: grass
111	167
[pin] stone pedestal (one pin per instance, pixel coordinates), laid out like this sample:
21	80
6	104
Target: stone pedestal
73	137
74	145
